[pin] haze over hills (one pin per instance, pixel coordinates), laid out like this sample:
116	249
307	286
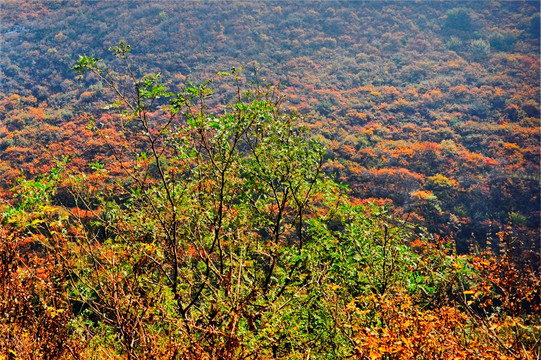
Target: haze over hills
429	113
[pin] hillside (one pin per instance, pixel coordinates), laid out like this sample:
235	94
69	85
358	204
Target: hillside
408	101
367	185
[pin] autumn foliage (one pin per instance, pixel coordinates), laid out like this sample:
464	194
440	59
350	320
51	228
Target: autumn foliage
381	202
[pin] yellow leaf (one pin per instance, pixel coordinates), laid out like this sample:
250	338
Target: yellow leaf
406	341
37	221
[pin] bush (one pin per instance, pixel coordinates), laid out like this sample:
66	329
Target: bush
479	49
459	19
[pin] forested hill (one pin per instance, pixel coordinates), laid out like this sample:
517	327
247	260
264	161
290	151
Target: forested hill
261	180
433	105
